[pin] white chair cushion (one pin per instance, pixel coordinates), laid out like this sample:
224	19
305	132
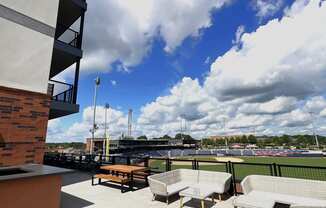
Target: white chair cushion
286	199
251	201
306	206
177	187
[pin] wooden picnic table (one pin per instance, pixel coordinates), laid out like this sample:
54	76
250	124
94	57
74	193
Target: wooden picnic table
129	170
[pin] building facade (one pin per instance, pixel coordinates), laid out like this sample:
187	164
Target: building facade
132	145
37	44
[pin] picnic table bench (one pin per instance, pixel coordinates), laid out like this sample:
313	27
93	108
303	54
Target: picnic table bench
122	174
112	178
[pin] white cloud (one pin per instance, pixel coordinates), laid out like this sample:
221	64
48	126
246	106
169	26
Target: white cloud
238	34
207	60
281	58
266	8
296	7
123	31
268	85
276	106
296	118
113	82
79	131
245	121
183	102
315	104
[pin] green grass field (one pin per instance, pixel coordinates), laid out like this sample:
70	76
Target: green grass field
242	170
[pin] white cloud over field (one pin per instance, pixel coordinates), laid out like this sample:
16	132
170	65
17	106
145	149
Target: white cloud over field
123	31
271	82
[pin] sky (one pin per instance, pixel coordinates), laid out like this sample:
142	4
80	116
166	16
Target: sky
208	67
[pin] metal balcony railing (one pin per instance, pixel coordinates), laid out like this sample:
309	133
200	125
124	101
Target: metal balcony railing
60	91
67	35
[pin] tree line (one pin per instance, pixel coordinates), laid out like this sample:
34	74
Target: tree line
301	141
178	136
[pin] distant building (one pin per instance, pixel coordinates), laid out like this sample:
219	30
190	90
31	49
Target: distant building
251	146
237	146
125	145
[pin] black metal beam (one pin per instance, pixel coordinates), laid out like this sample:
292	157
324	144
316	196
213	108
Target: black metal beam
79	45
74	100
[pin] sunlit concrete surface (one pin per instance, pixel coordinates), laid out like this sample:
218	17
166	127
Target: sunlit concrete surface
77	192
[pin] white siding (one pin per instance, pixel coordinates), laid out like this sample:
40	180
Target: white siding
25	57
42	10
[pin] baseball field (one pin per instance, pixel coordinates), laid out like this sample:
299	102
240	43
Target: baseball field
242	169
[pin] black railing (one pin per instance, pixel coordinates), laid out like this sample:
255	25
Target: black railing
239	170
60	91
68	36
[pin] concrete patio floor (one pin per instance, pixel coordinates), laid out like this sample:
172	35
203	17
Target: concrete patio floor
77	192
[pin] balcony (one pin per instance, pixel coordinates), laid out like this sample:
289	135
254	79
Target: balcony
69	12
63	100
67	49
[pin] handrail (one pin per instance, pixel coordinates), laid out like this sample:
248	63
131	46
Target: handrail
67	35
63	96
56	81
184	160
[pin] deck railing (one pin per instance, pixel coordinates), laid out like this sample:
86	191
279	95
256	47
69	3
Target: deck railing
239	170
68	35
60	91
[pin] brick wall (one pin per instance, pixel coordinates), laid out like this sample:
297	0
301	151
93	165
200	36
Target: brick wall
23	123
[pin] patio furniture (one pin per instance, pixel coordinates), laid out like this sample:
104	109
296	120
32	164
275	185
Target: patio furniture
291	191
245	201
172	182
196	192
112	178
225	204
124	170
143	175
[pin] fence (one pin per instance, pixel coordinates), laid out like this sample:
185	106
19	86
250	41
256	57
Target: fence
239	170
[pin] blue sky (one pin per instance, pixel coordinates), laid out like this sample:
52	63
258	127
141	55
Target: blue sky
156	57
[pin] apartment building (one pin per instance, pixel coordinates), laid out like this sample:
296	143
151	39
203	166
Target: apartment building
39	39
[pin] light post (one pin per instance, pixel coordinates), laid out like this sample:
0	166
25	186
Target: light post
105	142
97	83
313	128
224	125
107	106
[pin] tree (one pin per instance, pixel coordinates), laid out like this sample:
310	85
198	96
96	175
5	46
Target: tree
178	136
143	137
207	142
166	137
252	139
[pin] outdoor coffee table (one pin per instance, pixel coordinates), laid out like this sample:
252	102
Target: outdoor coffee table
196	192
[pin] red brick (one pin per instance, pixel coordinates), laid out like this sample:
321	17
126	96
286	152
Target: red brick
24	123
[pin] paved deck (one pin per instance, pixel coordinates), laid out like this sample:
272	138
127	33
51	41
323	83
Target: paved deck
77	192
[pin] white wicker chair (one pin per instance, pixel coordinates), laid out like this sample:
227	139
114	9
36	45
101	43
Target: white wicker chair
172	182
293	191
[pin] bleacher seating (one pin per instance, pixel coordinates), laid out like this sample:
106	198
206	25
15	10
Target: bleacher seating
221	152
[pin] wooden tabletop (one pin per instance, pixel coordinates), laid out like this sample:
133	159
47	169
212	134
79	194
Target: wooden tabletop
123	168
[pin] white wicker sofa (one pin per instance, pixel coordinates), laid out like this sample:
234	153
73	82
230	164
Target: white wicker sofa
172	182
262	190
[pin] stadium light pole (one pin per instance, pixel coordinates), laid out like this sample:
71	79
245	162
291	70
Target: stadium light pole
313	128
97	83
107	106
224	124
105	141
